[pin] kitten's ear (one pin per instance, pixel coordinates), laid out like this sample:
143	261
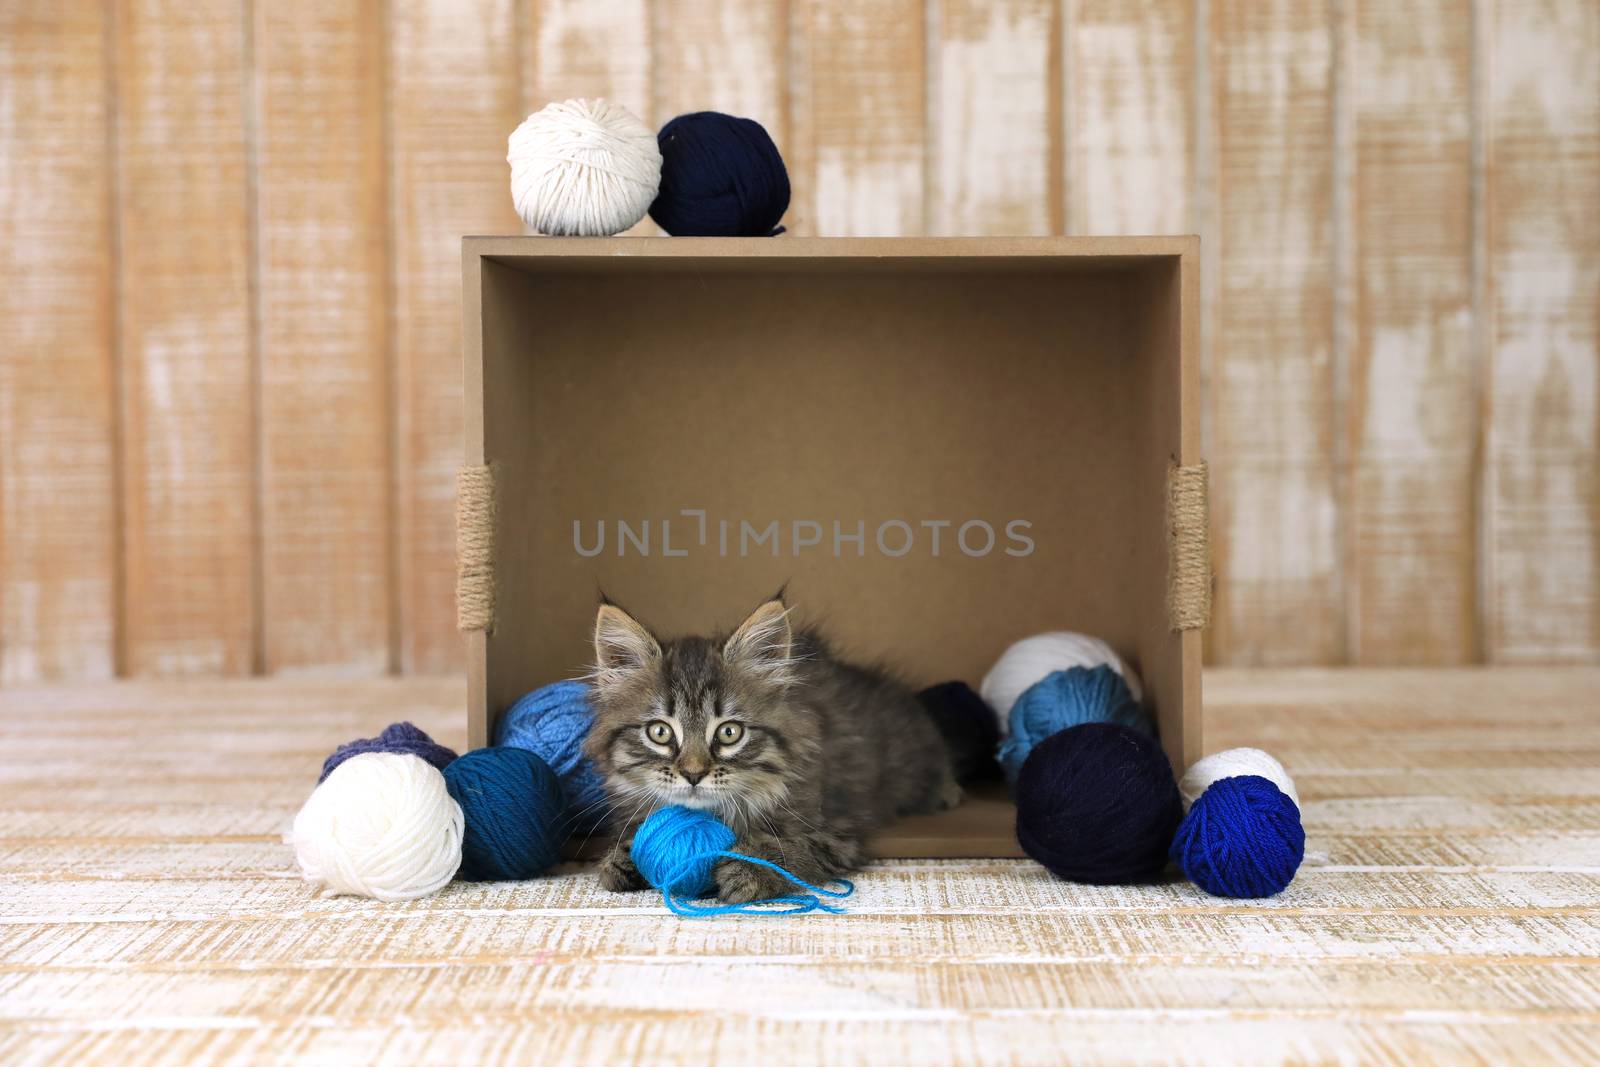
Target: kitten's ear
764	641
621	645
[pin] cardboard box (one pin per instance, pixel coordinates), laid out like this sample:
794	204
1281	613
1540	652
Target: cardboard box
734	414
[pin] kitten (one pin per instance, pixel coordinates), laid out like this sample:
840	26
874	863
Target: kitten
802	754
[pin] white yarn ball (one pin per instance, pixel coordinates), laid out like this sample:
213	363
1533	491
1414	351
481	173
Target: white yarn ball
583	168
382	825
1232	763
1032	658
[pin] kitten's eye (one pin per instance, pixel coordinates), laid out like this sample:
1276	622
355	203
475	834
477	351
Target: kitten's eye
658	731
729	733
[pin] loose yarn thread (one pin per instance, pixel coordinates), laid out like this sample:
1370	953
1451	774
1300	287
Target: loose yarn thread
583	168
400	737
381	825
552	723
677	849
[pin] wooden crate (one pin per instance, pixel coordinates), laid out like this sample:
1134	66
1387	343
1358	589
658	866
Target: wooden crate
684	394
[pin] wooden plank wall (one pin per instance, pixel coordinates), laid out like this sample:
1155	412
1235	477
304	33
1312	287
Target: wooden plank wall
229	317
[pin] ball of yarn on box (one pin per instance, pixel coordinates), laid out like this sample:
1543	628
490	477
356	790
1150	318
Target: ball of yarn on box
513	809
382	825
399	737
552	722
721	176
583	168
967	725
1063	699
1097	803
1030	659
1241	835
677	850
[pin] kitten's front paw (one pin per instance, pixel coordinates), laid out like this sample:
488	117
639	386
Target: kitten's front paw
618	874
739	882
950	795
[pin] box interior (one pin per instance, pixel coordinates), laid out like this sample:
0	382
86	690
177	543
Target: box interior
839	395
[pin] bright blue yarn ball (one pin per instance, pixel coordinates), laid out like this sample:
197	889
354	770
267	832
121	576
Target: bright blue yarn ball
1242	838
721	176
551	722
512	807
677	848
1064	699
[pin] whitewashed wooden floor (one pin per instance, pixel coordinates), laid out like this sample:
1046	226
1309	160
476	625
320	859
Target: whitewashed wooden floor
149	914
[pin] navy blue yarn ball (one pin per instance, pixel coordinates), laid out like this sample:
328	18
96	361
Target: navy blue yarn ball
1097	803
721	176
512	809
968	726
1241	838
1062	699
552	723
401	737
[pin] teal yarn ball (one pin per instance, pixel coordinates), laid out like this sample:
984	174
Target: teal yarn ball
1063	699
552	722
513	807
1242	838
677	848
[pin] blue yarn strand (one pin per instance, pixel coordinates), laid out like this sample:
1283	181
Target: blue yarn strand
794	905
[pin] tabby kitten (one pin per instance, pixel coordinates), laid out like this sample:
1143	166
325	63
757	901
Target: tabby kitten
802	754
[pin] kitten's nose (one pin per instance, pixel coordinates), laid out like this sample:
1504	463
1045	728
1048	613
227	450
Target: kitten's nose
692	776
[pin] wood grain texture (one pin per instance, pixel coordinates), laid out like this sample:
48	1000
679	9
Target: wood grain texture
188	351
1131	117
863	147
149	912
1542	487
1412	415
454	96
322	212
996	68
722	55
58	521
1275	508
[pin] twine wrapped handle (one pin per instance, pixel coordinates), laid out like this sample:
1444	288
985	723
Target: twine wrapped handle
475	514
1188	548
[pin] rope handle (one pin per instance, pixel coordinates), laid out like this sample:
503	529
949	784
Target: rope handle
1188	548
475	515
795	904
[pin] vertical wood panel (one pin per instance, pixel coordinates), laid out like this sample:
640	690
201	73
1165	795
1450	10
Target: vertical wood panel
1543	461
1130	128
866	127
324	346
57	489
1413	406
1276	506
189	461
454	97
722	55
994	65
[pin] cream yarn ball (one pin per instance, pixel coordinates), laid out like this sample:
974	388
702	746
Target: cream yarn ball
583	168
382	825
1233	763
1030	659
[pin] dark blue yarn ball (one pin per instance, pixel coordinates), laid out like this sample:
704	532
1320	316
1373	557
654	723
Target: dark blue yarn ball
512	808
968	726
401	737
1097	803
721	176
1241	838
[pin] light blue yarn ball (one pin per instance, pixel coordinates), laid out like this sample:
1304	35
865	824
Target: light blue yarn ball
677	848
1063	699
552	722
